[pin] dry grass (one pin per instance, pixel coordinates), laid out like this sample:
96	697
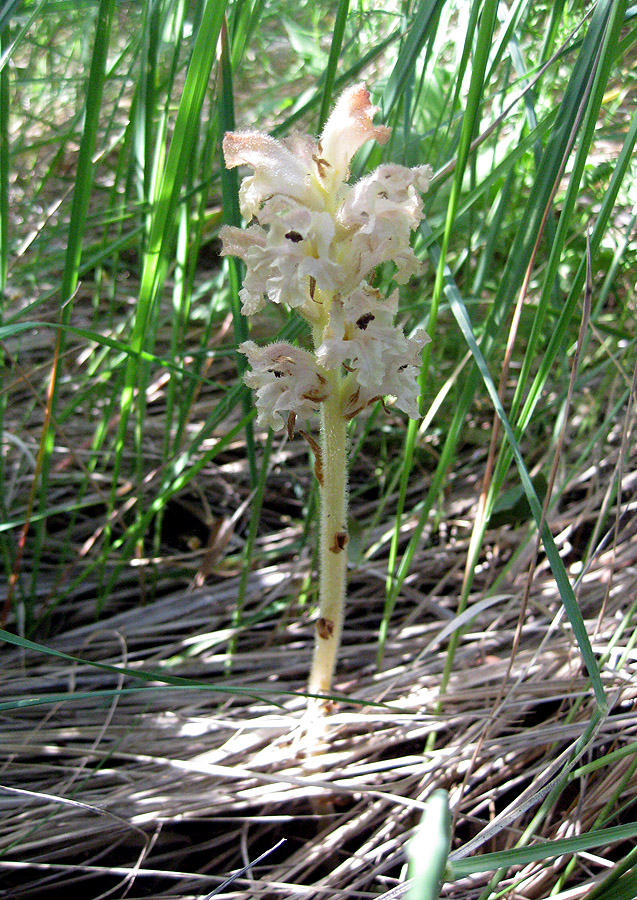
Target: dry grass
114	786
164	792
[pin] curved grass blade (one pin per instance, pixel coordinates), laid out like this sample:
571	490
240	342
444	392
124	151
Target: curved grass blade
77	224
429	849
557	566
467	130
169	682
332	63
150	678
163	221
232	216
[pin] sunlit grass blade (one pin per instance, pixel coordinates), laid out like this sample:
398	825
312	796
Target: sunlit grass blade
244	19
467	130
557	566
4	263
163	223
232	216
519	856
77	224
422	29
429	849
332	63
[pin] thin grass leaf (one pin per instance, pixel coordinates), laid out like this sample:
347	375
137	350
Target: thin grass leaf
557	566
255	515
467	130
232	216
421	29
520	856
429	849
332	63
77	224
244	20
149	678
162	226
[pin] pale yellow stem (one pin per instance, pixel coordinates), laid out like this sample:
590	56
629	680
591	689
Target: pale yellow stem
333	542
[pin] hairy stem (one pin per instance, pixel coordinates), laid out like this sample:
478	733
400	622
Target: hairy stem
333	543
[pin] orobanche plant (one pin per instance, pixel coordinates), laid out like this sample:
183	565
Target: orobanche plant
314	244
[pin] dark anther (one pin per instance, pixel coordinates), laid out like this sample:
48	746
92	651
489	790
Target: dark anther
364	320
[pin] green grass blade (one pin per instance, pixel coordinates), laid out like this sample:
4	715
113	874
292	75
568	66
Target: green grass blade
429	849
467	131
135	674
75	240
557	566
232	216
163	222
421	28
332	63
520	856
244	19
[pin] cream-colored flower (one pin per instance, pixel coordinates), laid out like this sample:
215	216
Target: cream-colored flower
349	127
250	246
380	359
296	193
286	379
379	214
313	244
278	264
299	167
280	168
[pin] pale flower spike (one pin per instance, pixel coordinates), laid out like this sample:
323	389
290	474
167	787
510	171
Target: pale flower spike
313	242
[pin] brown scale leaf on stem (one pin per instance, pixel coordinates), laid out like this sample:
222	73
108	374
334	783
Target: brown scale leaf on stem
325	628
341	539
291	424
318	456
